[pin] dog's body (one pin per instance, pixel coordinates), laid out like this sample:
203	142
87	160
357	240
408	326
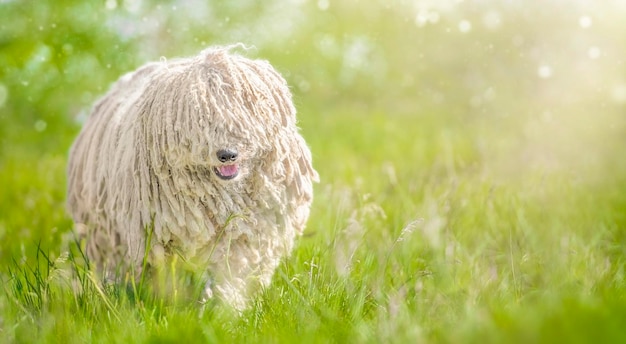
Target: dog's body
205	151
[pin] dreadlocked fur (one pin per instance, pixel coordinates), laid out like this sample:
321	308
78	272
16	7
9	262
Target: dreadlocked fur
148	156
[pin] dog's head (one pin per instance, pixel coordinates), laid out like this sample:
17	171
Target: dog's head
248	111
222	113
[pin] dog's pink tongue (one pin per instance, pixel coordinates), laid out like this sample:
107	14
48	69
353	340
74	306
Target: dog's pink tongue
228	170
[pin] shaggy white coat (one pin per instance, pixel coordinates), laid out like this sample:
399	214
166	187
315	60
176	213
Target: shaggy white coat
147	157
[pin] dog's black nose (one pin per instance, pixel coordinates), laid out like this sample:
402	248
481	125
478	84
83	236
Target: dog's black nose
225	155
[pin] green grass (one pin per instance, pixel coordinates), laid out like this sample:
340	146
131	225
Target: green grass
462	197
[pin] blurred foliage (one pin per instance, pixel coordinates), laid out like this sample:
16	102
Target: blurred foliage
52	67
474	63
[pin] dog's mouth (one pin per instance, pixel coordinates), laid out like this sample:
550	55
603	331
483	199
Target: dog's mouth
226	172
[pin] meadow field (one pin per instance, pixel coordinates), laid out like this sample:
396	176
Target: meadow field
472	157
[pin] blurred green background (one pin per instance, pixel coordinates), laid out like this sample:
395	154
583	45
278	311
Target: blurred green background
415	106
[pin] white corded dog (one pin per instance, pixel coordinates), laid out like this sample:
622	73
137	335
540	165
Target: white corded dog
204	150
